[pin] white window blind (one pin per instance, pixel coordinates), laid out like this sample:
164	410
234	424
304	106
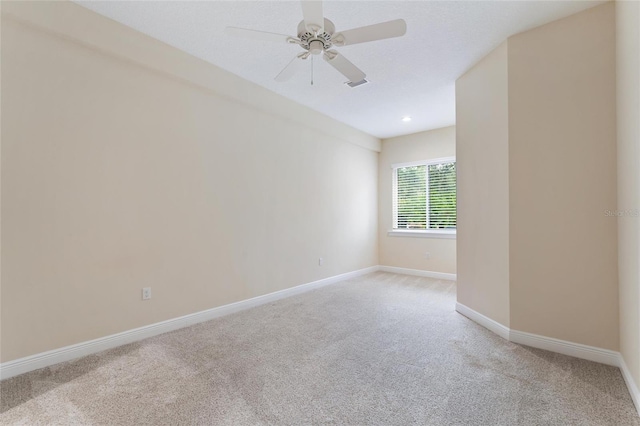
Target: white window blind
425	195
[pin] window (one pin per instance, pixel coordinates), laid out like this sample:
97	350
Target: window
424	197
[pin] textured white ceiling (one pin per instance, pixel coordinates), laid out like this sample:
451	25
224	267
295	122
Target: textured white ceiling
412	75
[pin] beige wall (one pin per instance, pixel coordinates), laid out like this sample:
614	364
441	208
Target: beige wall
410	252
562	248
127	164
628	85
562	178
0	181
483	187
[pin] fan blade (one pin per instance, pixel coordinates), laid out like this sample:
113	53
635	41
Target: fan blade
258	35
292	68
312	13
373	32
344	66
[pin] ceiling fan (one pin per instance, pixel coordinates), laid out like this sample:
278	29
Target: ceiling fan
317	34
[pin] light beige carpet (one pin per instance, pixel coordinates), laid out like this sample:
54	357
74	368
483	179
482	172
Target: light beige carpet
381	349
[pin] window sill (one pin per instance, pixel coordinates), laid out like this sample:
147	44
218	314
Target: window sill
447	234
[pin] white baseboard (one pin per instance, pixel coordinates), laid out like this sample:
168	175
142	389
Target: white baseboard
484	321
231	308
418	273
591	353
67	353
577	350
631	384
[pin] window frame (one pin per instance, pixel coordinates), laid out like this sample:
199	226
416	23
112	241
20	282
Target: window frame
419	233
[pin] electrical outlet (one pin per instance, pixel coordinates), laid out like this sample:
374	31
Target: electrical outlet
146	293
320	261
427	255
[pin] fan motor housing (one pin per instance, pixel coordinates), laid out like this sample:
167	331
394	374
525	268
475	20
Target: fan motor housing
310	41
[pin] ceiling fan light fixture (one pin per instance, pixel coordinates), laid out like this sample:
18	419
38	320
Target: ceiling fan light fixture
316	47
317	34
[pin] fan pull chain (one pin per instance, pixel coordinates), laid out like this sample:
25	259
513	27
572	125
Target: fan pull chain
312	70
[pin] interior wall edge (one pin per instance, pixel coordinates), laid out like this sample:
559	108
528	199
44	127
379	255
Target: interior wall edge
488	323
628	181
631	384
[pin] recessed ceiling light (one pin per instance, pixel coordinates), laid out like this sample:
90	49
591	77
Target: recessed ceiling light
406	118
